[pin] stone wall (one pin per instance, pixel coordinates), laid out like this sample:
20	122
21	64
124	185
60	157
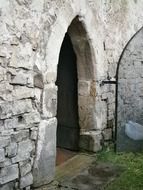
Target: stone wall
130	92
31	34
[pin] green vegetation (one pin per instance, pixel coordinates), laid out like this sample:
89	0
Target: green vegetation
132	177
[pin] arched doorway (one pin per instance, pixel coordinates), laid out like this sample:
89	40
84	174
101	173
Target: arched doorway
129	98
67	108
75	87
44	166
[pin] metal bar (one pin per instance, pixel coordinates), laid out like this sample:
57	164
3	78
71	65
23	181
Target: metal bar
108	82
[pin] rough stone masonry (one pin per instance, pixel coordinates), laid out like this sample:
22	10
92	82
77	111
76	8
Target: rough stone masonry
31	34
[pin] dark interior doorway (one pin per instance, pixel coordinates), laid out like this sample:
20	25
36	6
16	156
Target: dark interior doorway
67	108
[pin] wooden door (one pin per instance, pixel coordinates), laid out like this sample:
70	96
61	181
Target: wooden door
67	109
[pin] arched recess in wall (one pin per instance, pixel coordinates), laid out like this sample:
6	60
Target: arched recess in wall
68	134
77	27
129	93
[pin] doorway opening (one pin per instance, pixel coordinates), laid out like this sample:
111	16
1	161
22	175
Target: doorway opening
67	108
76	93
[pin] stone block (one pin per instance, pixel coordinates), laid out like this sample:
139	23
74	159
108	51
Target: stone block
25	169
18	136
22	106
38	81
2	155
91	141
10	123
11	150
32	117
84	88
8	186
107	134
25	149
15	108
1	125
22	78
26	181
23	92
7	162
9	174
50	77
44	165
50	101
38	94
87	115
22	56
34	134
19	79
4	141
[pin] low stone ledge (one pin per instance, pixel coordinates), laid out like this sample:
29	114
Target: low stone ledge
91	141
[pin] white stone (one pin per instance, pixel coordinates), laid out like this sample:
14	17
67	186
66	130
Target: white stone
32	117
43	170
22	92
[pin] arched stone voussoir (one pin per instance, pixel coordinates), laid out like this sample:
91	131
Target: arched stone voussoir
58	30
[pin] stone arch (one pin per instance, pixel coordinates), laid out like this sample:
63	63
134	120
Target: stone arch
129	92
44	164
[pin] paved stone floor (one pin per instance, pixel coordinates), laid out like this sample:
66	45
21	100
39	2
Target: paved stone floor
85	174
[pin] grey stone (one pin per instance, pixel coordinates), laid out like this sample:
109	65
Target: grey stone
26	181
24	150
22	106
1	125
20	135
28	188
43	170
8	174
7	162
2	155
91	141
8	186
107	134
38	81
4	141
10	123
15	108
50	101
34	134
32	117
25	169
7	132
11	150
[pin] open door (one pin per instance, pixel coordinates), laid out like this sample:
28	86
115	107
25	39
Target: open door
67	109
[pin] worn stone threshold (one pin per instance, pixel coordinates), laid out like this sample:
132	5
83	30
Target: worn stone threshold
69	169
